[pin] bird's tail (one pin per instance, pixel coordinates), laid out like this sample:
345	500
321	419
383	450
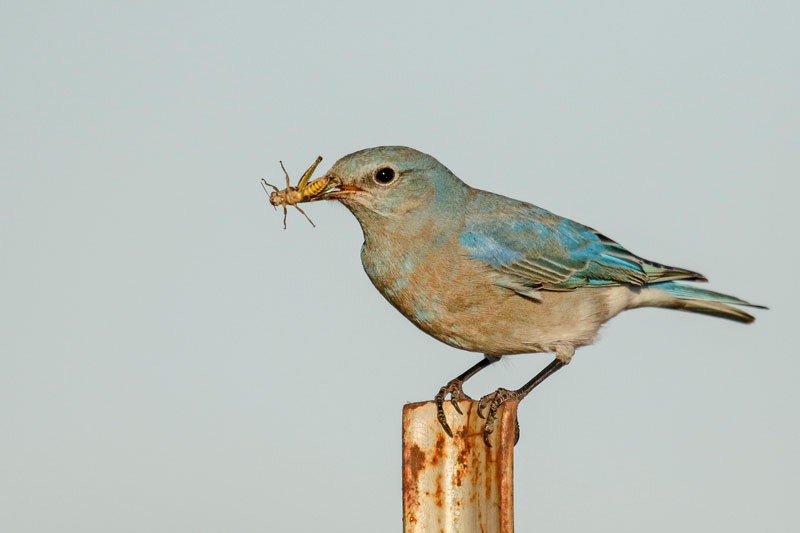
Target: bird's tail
675	295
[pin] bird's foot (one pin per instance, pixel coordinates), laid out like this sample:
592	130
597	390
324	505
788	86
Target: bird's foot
493	401
456	392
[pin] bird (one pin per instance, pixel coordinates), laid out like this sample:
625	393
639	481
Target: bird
486	273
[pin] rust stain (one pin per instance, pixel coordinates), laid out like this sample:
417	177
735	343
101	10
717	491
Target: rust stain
413	464
416	460
475	468
488	483
506	453
457	484
407	408
461	466
438	450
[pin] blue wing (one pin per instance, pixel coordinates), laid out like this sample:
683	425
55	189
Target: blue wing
535	249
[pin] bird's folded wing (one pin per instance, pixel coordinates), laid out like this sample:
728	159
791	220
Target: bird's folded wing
535	249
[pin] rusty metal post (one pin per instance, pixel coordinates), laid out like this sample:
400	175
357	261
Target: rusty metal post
457	484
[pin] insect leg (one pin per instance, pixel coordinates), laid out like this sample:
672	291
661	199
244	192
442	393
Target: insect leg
288	183
304	214
285	212
264	184
304	180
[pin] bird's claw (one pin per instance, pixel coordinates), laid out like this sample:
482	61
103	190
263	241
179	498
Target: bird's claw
456	392
493	401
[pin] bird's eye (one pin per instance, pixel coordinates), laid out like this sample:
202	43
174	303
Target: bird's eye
384	176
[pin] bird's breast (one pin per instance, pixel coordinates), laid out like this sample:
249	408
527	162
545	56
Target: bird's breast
437	288
457	300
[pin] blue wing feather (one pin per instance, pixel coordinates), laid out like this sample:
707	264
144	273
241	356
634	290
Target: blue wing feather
538	249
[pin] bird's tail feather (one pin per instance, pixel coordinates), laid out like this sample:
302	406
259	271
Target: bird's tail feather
689	298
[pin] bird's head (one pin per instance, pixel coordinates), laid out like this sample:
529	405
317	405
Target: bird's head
394	183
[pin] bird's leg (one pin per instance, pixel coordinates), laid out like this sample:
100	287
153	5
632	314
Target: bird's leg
498	397
304	214
455	389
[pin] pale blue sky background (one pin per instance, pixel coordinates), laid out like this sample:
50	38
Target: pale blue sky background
173	361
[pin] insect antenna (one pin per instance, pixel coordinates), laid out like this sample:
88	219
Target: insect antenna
264	186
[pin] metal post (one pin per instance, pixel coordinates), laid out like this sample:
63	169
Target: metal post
457	484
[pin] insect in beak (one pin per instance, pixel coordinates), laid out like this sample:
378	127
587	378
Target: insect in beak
303	192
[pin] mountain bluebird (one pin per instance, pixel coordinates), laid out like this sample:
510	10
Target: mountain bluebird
490	274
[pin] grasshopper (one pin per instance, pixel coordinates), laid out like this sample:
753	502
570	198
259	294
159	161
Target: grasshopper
303	192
